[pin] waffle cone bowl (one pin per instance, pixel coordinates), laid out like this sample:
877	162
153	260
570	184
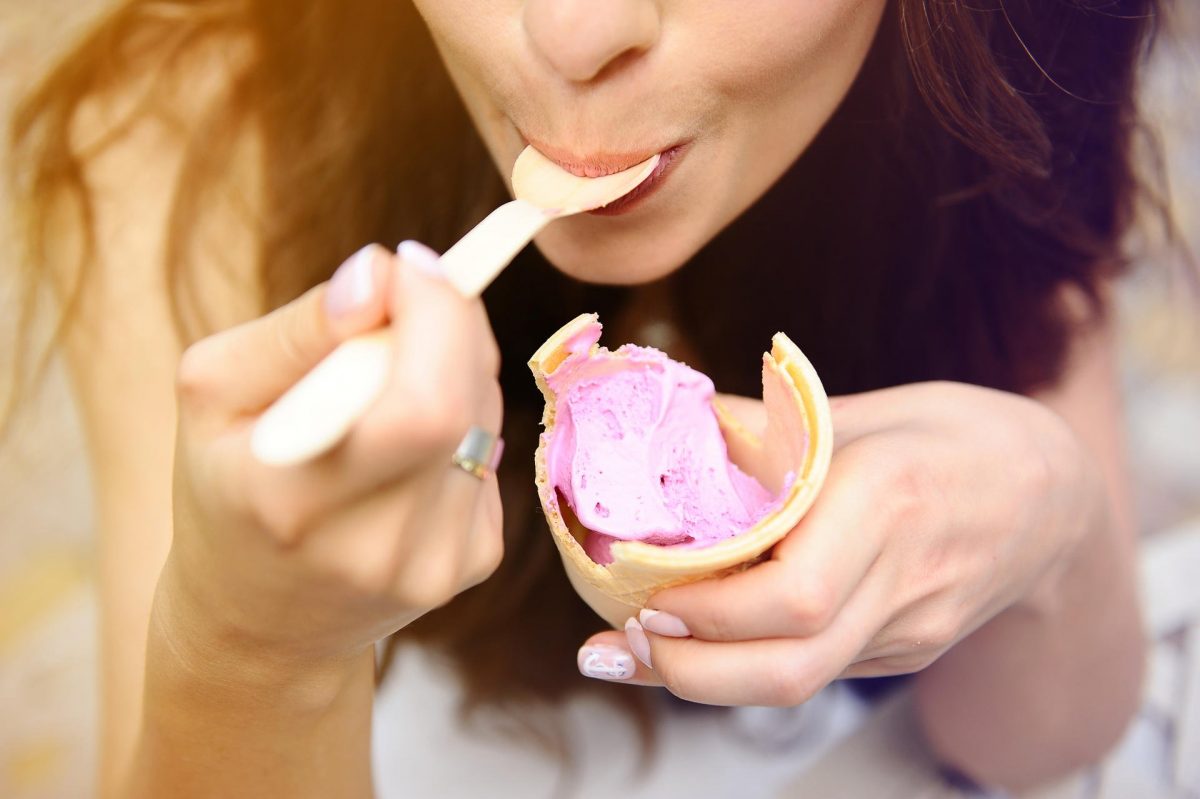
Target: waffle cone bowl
791	460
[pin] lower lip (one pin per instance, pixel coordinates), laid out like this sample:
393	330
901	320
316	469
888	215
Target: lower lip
626	203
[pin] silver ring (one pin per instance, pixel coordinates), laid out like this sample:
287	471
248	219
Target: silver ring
479	453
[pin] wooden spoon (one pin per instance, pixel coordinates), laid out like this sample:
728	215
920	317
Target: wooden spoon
315	414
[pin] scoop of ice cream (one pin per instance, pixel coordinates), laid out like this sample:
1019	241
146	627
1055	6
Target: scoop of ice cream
637	452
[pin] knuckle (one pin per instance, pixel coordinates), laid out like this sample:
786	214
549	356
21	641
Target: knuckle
912	662
785	684
809	606
373	576
484	349
432	422
1034	471
720	624
935	634
433	584
282	516
901	664
427	594
194	374
909	489
492	417
492	359
286	528
487	558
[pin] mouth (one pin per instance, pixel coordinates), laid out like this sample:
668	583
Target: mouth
599	164
643	190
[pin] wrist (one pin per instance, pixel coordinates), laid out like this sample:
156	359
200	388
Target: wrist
226	717
194	649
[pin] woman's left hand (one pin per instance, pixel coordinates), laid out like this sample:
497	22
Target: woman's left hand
945	505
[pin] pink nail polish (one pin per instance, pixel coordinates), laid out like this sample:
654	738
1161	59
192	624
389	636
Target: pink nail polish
353	284
420	256
663	623
605	662
638	642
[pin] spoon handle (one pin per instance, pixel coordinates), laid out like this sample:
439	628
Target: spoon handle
474	262
319	410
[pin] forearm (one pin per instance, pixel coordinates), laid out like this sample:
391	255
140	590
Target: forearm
219	721
1044	687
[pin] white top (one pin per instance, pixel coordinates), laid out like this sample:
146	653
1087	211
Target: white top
421	749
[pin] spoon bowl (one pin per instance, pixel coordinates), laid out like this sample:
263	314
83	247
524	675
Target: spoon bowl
539	181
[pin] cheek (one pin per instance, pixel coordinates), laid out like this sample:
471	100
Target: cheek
478	44
781	73
470	34
755	50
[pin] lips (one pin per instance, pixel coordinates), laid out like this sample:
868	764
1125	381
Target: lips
598	164
647	187
592	165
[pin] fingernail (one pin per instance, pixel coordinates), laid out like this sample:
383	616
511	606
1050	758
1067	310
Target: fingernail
663	623
605	662
353	284
638	641
422	257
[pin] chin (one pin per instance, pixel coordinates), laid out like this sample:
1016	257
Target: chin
592	251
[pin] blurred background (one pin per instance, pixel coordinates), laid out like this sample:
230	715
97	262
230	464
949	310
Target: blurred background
47	613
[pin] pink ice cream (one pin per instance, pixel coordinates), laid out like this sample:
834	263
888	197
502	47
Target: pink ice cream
637	453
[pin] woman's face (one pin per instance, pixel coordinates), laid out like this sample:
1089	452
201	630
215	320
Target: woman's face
730	92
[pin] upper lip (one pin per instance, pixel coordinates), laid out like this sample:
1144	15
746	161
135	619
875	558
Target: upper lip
594	164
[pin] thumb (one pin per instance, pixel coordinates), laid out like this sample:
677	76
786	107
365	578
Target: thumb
248	367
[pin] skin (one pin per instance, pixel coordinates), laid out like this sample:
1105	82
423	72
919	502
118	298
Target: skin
587	82
999	534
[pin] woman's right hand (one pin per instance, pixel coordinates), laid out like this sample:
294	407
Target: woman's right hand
311	564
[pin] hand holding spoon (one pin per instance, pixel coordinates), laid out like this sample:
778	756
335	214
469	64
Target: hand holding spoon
317	412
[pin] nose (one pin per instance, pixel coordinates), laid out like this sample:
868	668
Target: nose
579	38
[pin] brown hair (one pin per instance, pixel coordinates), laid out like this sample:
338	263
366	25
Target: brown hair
980	163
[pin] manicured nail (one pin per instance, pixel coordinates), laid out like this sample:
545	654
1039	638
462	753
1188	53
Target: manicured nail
605	662
663	623
638	641
422	257
353	284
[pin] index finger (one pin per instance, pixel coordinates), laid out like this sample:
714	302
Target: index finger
247	367
810	576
